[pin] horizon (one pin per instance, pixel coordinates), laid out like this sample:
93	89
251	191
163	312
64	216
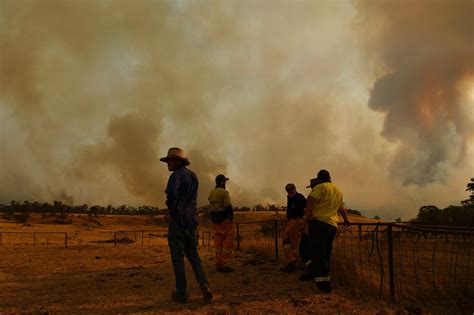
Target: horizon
381	94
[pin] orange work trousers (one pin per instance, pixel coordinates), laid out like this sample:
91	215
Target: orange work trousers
291	237
223	242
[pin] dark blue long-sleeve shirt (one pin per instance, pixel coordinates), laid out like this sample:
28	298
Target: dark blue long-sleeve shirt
181	195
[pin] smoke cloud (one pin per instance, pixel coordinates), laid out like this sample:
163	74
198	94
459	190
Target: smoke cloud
426	51
93	93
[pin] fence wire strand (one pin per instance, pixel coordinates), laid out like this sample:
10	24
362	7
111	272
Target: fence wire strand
403	263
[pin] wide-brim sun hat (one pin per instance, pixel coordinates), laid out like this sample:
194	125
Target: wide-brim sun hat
177	154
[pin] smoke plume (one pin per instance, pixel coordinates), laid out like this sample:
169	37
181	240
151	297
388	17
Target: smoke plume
93	93
425	50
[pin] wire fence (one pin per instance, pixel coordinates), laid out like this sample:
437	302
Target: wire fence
422	265
156	237
412	265
33	238
407	264
258	236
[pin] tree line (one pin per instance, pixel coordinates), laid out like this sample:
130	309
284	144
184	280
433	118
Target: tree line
58	208
462	215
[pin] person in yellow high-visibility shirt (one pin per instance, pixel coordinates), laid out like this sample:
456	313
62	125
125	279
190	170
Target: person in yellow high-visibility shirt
222	215
323	205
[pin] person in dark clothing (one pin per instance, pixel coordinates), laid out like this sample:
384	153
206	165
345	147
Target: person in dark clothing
181	195
296	203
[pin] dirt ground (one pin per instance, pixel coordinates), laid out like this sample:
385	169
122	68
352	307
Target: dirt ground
133	279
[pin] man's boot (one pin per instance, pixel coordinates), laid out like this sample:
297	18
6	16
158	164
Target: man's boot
206	292
179	297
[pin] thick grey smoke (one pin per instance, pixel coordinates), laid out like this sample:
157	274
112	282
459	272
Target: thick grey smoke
92	93
425	50
88	92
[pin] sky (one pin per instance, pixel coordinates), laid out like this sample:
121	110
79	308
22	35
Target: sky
380	93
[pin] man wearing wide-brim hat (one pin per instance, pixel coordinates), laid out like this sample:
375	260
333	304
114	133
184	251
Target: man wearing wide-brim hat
181	196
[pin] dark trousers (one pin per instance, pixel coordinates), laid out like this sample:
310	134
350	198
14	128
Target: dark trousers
182	241
304	250
321	236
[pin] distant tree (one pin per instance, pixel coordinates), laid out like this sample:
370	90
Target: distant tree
377	217
398	220
430	215
470	188
274	208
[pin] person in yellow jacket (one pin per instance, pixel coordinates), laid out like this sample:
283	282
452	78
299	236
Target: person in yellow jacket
323	205
222	215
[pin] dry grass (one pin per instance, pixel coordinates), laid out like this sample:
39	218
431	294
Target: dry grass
99	278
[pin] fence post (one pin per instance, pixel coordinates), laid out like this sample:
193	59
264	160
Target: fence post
65	239
34	239
390	262
238	237
142	237
115	239
275	229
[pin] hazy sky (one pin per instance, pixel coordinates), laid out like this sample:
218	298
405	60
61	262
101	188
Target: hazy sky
380	93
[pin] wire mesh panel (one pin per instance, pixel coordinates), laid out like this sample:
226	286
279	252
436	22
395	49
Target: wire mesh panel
261	236
433	266
358	258
407	264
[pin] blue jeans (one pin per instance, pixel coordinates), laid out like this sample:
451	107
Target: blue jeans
182	241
